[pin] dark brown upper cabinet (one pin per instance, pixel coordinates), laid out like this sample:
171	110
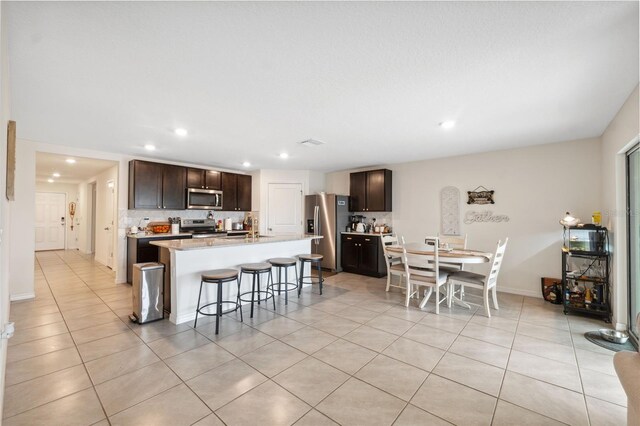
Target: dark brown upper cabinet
203	179
370	191
156	186
236	192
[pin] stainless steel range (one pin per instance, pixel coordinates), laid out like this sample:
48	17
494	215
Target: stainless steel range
206	228
200	228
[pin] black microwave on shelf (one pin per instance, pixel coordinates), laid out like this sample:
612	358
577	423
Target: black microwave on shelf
204	199
587	238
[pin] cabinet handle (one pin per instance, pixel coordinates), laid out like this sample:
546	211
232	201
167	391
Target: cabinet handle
202	187
349	238
367	239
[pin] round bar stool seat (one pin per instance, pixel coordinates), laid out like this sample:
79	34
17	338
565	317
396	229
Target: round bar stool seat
218	277
284	263
257	267
219	274
313	260
256	270
311	257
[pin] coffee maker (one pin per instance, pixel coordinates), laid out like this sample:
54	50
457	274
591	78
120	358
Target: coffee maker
353	222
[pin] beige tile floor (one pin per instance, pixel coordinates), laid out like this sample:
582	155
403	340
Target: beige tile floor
354	356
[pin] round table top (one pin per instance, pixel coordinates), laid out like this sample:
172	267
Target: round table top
449	256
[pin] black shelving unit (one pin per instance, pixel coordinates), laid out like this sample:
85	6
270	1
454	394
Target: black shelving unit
585	274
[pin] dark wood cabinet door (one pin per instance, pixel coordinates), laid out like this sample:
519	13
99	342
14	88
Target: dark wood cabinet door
357	192
145	185
375	191
212	179
244	192
369	255
229	191
195	178
350	249
174	183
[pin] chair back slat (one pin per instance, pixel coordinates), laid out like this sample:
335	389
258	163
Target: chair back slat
492	278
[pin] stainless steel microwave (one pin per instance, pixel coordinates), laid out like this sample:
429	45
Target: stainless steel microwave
204	199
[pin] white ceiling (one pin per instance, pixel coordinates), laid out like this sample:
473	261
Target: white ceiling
371	79
82	170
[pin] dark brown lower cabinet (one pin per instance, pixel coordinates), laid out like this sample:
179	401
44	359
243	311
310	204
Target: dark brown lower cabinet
363	254
140	250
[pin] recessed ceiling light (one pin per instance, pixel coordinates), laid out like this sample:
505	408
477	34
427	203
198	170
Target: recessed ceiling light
56	174
150	147
50	180
246	164
284	155
181	132
70	160
447	124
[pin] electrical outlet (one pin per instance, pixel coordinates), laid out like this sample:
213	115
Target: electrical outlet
8	331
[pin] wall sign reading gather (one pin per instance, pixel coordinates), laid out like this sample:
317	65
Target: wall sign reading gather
484	216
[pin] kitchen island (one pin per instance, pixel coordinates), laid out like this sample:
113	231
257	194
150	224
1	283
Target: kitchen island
186	260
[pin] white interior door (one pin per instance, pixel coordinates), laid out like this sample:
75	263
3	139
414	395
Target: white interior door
284	209
109	222
50	220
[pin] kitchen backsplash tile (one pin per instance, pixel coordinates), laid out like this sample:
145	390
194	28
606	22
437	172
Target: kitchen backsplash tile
381	217
128	218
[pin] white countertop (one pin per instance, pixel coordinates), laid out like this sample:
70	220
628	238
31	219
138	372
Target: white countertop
369	234
216	242
152	235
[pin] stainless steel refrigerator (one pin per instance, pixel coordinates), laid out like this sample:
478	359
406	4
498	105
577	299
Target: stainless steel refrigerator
327	215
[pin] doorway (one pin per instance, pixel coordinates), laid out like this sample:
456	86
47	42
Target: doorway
633	237
284	209
50	221
92	234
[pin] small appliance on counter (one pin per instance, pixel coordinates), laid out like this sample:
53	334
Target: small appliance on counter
360	227
353	223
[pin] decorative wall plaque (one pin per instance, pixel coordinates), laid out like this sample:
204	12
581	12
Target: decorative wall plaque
450	211
484	196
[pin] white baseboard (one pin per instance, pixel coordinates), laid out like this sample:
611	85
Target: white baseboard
520	292
22	296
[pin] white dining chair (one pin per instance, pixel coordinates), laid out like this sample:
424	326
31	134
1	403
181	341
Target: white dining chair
392	260
423	270
456	242
484	282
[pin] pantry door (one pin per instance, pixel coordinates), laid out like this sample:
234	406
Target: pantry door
50	220
284	209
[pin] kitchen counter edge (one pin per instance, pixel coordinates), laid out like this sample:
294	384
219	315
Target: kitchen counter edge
216	242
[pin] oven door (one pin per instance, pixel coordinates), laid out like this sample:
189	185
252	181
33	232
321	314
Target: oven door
204	199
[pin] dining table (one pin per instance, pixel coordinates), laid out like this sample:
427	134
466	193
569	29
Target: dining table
445	255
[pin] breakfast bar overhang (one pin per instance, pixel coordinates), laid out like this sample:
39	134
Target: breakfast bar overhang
188	259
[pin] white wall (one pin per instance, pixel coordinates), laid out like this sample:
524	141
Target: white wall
5	230
534	186
22	217
71	191
620	135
